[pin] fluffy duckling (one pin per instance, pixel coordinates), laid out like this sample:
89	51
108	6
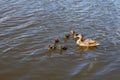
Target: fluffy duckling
66	36
53	47
72	32
55	41
87	42
62	47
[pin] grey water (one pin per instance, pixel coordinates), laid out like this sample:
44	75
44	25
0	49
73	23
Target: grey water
27	27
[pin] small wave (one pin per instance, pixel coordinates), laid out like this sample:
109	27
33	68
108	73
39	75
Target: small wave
4	19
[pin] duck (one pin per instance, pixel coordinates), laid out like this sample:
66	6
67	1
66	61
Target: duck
66	36
87	42
52	47
62	47
55	41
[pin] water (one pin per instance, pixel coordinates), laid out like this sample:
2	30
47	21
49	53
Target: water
27	27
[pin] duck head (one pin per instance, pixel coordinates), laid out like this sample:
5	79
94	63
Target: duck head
80	36
75	36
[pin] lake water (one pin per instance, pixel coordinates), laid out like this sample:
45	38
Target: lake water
27	27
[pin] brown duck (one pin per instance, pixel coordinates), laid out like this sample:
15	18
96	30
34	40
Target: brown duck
87	42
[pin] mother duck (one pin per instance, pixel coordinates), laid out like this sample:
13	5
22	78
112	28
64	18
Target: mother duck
87	42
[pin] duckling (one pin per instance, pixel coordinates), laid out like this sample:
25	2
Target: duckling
66	36
87	42
72	32
62	47
55	41
53	47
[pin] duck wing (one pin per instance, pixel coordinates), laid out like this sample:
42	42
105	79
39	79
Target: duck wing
90	41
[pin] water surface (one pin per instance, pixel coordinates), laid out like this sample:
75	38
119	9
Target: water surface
27	27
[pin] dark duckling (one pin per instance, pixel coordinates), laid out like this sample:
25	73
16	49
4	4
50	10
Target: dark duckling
53	47
66	36
55	41
62	48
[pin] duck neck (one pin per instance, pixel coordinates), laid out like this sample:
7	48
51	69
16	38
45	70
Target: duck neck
81	39
78	41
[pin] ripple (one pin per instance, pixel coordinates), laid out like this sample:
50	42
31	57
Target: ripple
4	19
28	27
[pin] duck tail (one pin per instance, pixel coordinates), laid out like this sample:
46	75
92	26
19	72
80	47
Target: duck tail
98	44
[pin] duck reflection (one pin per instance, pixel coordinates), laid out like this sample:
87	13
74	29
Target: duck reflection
49	53
80	49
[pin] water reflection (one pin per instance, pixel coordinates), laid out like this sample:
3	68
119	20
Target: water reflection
85	71
81	50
